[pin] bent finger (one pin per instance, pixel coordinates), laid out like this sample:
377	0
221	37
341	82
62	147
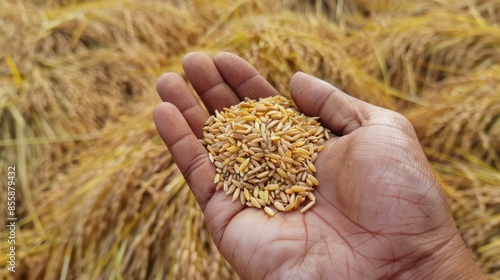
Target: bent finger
338	111
173	89
208	82
189	154
242	77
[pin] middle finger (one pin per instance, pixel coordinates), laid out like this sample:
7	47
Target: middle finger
208	83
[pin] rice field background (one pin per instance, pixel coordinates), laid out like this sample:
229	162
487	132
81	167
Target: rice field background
98	195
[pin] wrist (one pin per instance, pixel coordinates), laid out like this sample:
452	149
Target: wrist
451	260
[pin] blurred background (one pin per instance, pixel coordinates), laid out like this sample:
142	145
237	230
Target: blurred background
98	195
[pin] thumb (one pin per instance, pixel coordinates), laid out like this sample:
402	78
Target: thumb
338	111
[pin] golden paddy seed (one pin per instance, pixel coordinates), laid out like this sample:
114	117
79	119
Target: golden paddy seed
264	153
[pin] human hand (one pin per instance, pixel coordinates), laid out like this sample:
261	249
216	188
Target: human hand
380	211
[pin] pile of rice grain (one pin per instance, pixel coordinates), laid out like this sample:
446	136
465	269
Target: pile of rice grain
264	153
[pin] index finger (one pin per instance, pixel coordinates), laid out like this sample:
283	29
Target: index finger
338	111
173	89
189	154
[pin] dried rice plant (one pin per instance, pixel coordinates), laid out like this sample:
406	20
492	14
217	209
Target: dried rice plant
339	11
70	70
482	10
460	128
474	197
408	53
282	44
463	115
121	211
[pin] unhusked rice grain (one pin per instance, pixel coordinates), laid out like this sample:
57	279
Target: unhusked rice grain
264	153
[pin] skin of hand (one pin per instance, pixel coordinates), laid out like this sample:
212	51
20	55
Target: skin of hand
380	211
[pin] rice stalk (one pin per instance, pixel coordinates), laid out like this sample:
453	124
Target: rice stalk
121	211
84	61
483	11
282	44
473	187
409	53
341	12
463	115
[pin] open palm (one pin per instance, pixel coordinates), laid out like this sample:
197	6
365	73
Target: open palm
379	212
